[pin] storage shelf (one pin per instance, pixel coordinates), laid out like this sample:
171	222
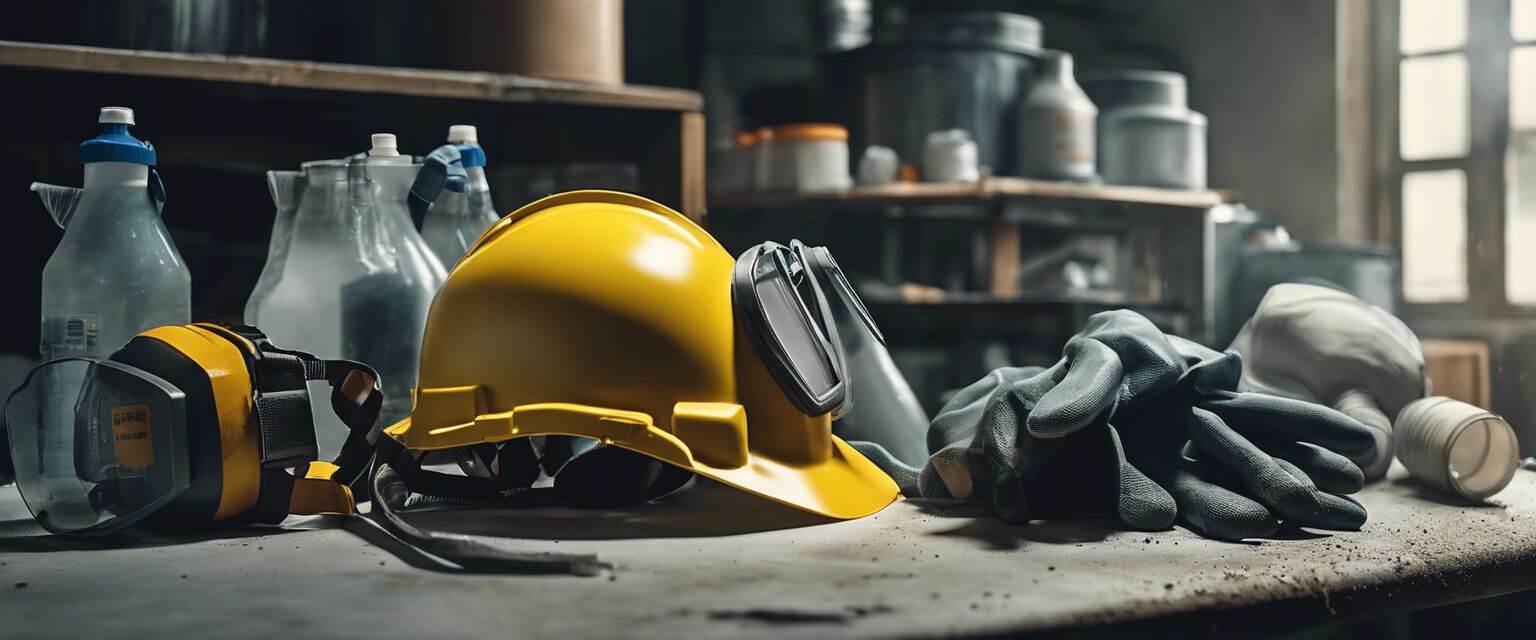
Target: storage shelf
325	76
943	299
1000	188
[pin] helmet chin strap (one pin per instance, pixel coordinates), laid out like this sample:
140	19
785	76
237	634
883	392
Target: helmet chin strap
388	485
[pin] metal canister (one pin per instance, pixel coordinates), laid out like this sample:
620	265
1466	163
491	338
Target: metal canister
1456	447
1147	136
966	71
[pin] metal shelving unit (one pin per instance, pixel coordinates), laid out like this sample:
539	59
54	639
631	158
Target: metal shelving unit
970	244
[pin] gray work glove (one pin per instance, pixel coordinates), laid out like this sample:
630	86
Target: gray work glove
1107	428
1322	345
1034	442
1241	465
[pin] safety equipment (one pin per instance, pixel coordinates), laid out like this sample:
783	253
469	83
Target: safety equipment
996	438
185	424
609	317
1323	345
1109	424
1241	465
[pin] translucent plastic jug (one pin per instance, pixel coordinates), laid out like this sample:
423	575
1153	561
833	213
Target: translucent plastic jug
116	271
457	219
285	187
355	279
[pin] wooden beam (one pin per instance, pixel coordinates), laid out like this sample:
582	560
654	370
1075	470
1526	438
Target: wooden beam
989	188
691	138
326	76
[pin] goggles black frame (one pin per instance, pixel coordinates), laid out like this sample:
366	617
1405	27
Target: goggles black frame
781	303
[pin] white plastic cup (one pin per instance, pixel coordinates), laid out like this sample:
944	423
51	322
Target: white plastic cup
951	155
1456	447
878	166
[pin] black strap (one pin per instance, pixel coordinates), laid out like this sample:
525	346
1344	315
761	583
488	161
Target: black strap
390	492
286	421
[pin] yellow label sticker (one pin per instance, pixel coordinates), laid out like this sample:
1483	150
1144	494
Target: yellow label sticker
130	436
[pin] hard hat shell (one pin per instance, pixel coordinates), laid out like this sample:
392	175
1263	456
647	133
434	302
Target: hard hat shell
608	316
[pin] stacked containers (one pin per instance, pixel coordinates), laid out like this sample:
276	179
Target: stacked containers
1147	136
967	70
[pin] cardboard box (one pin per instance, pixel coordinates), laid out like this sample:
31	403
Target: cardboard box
1459	369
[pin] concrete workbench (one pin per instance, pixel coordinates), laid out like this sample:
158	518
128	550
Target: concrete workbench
709	562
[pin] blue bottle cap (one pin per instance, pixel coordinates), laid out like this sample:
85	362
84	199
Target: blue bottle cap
115	144
471	155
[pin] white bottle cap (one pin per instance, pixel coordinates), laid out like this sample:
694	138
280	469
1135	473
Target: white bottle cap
463	134
116	115
384	146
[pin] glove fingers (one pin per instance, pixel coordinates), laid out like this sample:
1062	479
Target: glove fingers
1331	512
1088	390
1265	416
1140	503
960	418
1329	471
1217	512
1289	496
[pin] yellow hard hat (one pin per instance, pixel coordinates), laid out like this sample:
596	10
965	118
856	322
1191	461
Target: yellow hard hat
610	317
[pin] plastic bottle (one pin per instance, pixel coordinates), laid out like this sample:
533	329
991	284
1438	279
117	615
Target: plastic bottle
1056	128
116	271
456	220
286	187
355	278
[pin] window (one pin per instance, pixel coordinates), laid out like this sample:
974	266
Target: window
1463	170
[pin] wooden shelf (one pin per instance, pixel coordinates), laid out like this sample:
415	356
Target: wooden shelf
987	189
301	74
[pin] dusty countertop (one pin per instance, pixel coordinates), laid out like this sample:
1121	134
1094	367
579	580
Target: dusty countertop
709	562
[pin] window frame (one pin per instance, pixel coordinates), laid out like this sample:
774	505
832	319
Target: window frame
1489	138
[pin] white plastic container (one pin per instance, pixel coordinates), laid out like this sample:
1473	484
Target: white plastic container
1056	126
356	278
456	220
116	271
950	156
809	158
761	162
878	166
1456	447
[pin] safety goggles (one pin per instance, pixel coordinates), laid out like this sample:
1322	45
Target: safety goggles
782	299
97	445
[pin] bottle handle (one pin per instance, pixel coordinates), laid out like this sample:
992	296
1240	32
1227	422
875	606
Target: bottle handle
157	191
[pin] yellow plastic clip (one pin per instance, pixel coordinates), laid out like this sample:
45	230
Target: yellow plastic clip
316	493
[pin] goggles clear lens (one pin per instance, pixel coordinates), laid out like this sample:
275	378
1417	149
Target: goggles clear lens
97	445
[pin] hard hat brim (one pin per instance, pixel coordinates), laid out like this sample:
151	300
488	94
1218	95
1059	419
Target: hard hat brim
844	486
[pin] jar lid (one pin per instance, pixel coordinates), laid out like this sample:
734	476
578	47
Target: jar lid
811	131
